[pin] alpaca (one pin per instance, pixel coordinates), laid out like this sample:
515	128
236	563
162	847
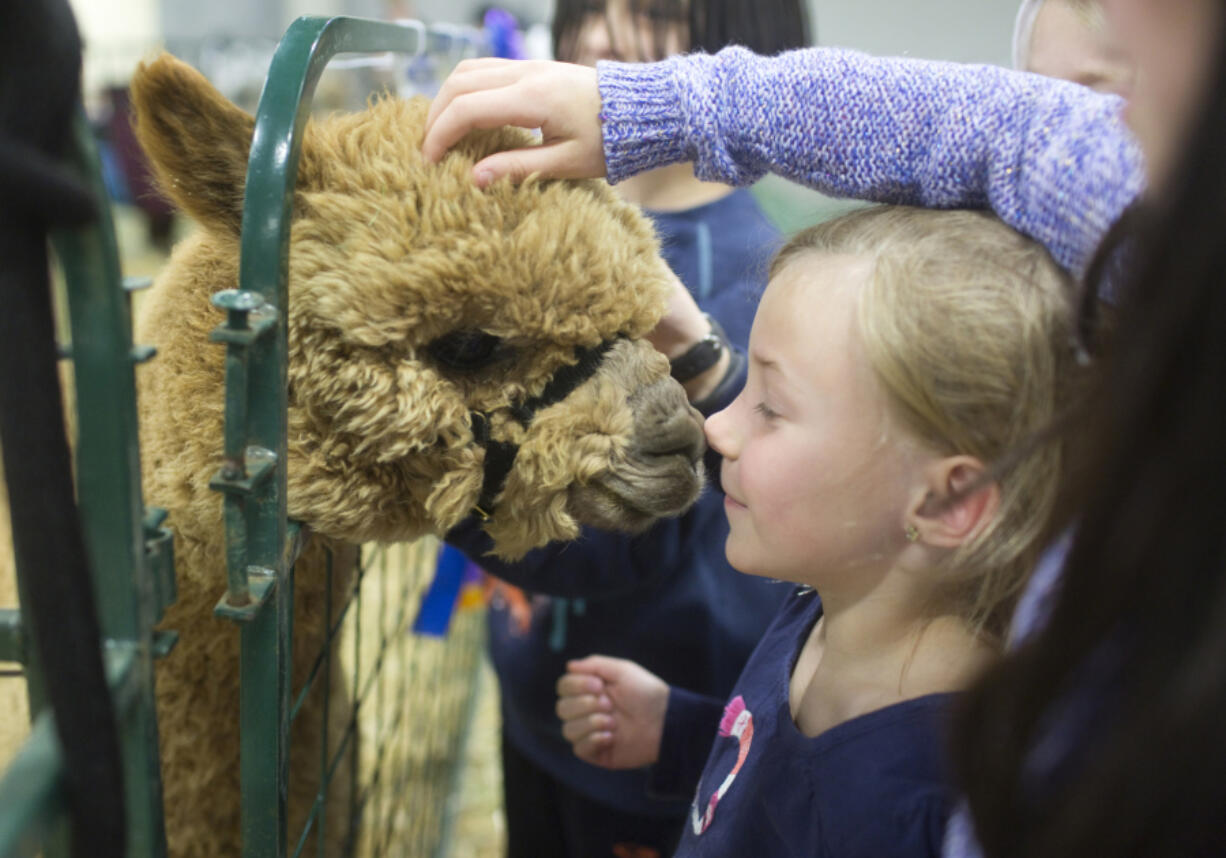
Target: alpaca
424	317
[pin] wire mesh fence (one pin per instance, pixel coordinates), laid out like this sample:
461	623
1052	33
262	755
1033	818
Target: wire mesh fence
414	698
403	738
388	756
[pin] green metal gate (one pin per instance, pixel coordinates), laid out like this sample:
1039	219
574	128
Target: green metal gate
131	550
260	592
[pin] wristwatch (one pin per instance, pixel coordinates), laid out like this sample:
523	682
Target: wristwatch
701	356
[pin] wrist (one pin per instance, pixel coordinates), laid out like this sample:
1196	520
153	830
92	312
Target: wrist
694	357
714	392
641	118
655	738
707	382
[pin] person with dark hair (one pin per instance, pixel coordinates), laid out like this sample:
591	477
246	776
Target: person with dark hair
666	598
1101	734
662	28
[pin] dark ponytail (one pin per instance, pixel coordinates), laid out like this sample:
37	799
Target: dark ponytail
1131	668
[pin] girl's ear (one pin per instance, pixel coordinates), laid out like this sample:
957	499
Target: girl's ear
958	503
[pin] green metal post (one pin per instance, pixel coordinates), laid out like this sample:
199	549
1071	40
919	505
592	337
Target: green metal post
109	488
263	269
31	792
12	638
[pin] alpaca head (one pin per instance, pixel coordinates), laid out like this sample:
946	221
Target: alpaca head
450	347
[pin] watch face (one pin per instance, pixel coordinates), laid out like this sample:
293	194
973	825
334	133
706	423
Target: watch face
699	357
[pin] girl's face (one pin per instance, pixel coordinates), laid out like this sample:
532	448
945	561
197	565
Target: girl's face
1171	44
1066	45
613	31
816	474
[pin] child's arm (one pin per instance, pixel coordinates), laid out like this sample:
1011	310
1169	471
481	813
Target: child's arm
683	325
690	726
1050	158
618	715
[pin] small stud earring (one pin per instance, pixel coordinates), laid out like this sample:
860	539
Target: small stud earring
912	533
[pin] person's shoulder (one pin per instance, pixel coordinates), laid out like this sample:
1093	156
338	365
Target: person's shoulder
802	605
740	210
726	215
910	823
883	782
793	620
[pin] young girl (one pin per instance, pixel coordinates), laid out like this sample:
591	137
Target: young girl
895	356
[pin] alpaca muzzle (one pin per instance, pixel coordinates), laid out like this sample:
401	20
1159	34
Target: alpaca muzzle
500	455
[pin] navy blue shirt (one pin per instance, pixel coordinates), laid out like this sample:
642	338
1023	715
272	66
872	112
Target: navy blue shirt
666	598
872	787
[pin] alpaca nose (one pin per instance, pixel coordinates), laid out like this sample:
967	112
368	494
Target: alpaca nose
667	425
679	435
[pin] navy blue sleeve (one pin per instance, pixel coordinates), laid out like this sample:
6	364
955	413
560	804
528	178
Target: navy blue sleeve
600	563
690	725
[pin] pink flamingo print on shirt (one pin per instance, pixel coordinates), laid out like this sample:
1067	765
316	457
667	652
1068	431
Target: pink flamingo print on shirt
737	723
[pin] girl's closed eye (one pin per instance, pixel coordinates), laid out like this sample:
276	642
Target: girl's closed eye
766	411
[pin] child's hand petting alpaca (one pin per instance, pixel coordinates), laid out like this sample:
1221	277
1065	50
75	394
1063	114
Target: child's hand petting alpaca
560	99
612	711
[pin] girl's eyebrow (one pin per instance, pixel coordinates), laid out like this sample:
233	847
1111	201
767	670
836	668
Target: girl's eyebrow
763	360
776	378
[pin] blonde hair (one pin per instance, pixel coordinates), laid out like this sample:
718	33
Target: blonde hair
967	325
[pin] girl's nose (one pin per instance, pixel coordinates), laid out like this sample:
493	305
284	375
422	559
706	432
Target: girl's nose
719	435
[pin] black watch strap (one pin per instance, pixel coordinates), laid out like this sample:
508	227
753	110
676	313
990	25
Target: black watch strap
701	356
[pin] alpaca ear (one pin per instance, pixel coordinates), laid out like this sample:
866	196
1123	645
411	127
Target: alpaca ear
197	140
957	503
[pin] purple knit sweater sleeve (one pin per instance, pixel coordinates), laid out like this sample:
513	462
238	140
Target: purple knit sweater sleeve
1052	159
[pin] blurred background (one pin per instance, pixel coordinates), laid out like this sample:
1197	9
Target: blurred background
231	41
118	31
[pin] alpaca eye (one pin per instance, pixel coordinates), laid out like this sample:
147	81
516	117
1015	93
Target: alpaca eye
466	350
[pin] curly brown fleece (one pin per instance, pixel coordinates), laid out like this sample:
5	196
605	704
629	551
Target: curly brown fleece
388	255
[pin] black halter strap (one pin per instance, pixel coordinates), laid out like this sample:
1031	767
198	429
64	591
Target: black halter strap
500	455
